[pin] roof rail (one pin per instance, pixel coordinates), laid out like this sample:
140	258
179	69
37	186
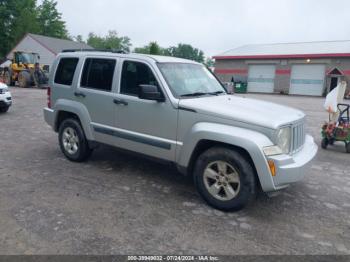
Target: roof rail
94	50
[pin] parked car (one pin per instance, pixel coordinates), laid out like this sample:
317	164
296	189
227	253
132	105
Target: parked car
5	98
176	110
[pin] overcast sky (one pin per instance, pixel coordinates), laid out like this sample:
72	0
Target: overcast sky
213	26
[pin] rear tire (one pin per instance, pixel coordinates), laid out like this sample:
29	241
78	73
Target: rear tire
24	79
324	143
347	147
72	141
225	179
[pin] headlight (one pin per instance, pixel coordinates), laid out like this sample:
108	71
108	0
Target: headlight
272	150
283	139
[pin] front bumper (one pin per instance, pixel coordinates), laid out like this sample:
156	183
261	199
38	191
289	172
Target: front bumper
5	99
292	168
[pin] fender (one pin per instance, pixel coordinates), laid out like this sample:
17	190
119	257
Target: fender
252	141
78	109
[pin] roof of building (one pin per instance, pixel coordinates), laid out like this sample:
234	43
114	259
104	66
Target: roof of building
56	45
289	50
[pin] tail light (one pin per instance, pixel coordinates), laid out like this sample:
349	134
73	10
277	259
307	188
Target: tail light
48	97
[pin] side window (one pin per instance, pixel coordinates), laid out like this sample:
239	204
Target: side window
98	74
65	71
135	74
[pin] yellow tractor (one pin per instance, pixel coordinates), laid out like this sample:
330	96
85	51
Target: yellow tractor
22	69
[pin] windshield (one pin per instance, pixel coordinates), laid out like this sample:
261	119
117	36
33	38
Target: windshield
27	58
187	80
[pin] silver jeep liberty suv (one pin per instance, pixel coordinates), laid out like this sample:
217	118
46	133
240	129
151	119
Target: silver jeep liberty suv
176	110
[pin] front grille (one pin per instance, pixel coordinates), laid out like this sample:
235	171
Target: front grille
298	137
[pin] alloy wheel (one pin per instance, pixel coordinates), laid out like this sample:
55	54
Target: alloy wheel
222	180
70	140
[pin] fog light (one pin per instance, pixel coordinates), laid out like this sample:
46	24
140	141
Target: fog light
272	167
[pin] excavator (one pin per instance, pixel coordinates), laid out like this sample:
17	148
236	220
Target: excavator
25	70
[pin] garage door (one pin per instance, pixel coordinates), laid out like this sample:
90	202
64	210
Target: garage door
261	78
307	80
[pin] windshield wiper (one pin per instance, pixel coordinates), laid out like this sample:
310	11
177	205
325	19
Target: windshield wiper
217	93
195	94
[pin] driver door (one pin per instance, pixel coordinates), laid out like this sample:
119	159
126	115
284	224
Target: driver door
144	126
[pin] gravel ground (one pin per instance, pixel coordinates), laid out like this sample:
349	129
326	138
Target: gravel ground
121	204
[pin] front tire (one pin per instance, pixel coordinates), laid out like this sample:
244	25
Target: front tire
4	109
72	141
225	179
24	79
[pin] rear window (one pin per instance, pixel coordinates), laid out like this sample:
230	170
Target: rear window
65	71
98	74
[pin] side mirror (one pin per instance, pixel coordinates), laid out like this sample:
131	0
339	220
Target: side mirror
150	92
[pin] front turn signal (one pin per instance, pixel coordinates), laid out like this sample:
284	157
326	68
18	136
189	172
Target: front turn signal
272	167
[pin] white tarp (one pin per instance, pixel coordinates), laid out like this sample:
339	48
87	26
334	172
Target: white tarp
334	98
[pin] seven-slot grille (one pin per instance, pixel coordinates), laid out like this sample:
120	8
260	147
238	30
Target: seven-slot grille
298	137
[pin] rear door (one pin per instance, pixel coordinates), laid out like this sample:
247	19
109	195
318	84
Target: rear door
95	90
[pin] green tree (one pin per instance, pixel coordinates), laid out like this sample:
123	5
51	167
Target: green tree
17	17
95	41
209	62
186	51
152	48
79	38
142	50
112	41
6	20
50	20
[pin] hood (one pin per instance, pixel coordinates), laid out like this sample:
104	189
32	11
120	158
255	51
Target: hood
246	110
3	86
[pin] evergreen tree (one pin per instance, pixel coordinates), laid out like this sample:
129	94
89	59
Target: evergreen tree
50	20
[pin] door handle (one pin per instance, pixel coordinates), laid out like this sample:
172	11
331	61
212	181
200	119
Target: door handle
79	94
120	102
